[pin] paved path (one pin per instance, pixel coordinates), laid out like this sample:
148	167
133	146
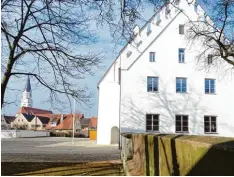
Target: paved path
56	149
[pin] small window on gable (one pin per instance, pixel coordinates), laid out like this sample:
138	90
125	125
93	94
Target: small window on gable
177	2
152	56
158	18
139	43
210	59
181	29
129	53
148	29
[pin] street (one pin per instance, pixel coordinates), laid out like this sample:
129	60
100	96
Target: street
55	150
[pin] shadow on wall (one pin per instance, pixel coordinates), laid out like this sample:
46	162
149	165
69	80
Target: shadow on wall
213	160
167	105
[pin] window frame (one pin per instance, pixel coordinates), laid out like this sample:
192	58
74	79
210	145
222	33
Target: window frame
152	124
154	56
181	85
182	124
148	29
152	77
210	121
181	60
210	88
209	59
181	27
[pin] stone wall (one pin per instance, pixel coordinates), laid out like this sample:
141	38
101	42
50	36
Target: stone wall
160	154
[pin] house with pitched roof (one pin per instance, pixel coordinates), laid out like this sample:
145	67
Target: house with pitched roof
154	86
30	122
6	121
64	122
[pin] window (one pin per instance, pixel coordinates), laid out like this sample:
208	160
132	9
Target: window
152	122
181	85
177	2
139	43
129	53
152	84
181	55
210	124
152	56
158	18
181	29
210	59
209	86
148	29
181	123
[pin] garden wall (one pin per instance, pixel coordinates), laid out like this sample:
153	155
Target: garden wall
159	154
23	133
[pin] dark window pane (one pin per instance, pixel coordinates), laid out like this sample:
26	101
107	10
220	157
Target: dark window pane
207	129
213	118
213	126
185	123
178	128
207	90
178	118
206	118
185	118
185	129
155	128
155	117
148	127
207	124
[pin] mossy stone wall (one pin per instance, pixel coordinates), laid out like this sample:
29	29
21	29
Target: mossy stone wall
157	154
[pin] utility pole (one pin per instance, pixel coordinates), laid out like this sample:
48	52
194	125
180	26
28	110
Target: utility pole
73	122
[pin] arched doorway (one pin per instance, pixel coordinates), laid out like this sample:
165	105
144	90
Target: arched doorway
114	135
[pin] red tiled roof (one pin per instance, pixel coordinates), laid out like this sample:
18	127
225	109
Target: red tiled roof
67	121
93	122
34	111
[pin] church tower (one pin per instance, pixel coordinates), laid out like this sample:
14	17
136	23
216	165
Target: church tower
27	95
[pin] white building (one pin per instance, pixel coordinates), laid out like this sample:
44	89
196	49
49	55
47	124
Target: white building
26	101
155	85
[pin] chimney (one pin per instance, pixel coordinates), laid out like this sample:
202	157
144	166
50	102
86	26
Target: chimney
61	119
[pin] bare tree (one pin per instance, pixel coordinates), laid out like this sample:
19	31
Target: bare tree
215	32
47	34
41	39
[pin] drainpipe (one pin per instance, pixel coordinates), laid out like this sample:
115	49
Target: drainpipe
120	139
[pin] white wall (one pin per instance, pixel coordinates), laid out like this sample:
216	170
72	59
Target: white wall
136	102
108	104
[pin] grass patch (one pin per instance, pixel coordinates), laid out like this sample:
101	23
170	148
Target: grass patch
61	169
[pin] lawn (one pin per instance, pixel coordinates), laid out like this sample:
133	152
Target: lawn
105	168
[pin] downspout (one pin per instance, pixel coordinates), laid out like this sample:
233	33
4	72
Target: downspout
120	80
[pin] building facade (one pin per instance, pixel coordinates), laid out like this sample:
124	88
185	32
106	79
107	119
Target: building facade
155	84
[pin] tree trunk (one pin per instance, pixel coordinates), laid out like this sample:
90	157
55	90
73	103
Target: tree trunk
6	78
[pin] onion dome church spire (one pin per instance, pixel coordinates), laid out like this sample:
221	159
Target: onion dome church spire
27	95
